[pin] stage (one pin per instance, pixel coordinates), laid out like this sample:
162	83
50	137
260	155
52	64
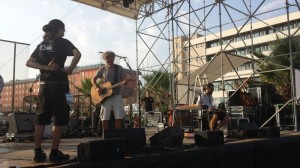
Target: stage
247	153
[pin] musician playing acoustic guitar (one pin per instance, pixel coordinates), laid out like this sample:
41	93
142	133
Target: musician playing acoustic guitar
113	74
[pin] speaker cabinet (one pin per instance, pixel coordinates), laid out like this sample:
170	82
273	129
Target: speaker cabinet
135	138
20	122
269	132
101	150
169	137
183	118
209	138
245	130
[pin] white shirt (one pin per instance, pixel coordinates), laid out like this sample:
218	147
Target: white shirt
205	99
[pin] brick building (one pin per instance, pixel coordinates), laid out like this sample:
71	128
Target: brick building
23	96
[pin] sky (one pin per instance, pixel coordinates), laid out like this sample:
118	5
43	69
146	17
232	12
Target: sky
90	29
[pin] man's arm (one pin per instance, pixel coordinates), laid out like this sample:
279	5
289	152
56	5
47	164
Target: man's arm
95	83
75	60
32	63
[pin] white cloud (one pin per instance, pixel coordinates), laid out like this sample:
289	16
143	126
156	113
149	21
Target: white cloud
271	5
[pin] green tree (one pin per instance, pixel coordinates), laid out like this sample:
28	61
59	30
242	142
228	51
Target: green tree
84	99
280	49
158	83
86	86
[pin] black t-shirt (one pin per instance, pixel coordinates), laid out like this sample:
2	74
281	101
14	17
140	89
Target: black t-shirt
58	49
148	103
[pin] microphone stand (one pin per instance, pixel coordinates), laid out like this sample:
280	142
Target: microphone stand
30	93
139	84
90	130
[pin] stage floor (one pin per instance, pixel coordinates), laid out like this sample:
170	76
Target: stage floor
20	154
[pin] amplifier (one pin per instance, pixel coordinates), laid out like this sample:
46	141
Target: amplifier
20	122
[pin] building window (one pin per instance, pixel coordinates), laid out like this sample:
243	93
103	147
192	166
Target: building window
208	58
228	85
208	45
217	86
255	34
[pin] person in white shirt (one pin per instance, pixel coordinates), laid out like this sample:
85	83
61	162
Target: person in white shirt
206	98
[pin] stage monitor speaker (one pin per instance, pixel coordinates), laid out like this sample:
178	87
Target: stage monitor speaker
169	137
20	122
135	138
245	130
209	138
269	132
101	150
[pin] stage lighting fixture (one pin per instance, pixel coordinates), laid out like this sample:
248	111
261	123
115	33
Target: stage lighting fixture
127	2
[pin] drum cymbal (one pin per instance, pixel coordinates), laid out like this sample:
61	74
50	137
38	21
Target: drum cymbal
30	99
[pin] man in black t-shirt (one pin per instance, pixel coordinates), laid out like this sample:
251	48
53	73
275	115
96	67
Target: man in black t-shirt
148	102
49	57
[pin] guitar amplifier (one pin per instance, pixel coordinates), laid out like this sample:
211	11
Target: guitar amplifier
20	122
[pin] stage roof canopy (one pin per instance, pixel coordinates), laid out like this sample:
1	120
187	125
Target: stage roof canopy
213	69
117	6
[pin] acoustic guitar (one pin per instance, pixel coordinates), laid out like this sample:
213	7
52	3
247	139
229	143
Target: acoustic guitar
107	91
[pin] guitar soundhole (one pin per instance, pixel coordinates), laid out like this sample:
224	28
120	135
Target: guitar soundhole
104	90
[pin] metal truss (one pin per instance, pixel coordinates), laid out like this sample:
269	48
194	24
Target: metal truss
161	23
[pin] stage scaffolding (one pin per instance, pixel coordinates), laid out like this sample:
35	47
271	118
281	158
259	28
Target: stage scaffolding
161	23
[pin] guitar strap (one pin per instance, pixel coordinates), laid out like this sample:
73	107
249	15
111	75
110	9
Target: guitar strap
116	73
